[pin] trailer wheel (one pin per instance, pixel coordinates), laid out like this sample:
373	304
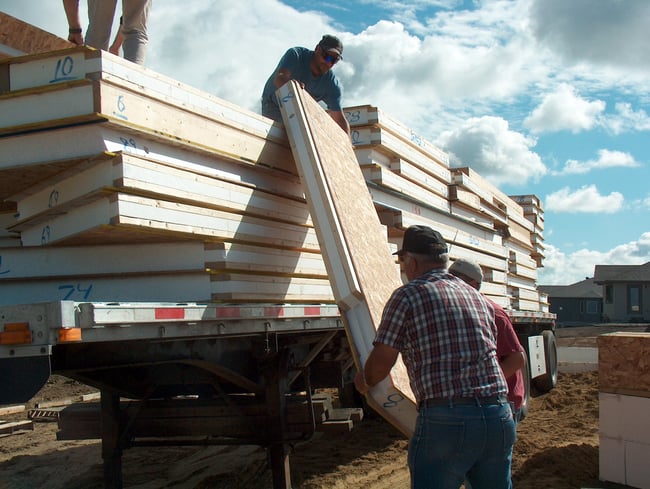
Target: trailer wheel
546	382
525	370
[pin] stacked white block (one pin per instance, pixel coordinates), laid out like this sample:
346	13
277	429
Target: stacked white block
624	408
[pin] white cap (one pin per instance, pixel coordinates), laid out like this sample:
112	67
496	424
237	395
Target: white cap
469	268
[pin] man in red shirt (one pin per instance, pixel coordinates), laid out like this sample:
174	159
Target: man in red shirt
509	350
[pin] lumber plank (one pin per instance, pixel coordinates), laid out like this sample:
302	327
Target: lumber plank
5	410
13	427
339	414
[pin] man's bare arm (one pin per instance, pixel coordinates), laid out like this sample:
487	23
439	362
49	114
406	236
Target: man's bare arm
377	367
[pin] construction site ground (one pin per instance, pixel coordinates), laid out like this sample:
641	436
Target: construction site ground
557	447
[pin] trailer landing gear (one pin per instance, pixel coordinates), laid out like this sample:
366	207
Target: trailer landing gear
121	427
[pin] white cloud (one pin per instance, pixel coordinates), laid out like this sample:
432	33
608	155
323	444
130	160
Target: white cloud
606	159
611	33
209	45
565	269
564	110
586	199
487	145
626	119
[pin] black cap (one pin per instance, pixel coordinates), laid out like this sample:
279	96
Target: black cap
331	44
422	240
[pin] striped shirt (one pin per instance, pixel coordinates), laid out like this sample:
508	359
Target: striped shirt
446	333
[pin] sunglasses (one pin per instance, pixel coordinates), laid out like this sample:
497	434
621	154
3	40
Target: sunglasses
330	58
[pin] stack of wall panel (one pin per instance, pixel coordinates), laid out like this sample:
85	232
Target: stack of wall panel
101	158
411	183
534	212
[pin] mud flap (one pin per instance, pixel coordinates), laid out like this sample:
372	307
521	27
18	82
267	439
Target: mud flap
28	375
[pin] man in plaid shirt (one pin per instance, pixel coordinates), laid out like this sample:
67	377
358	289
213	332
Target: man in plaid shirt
446	333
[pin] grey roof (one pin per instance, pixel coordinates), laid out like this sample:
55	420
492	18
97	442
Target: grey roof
622	273
584	289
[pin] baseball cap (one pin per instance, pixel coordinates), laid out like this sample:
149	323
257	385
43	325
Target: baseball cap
422	240
469	268
331	44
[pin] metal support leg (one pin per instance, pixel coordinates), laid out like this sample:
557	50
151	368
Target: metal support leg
276	377
111	446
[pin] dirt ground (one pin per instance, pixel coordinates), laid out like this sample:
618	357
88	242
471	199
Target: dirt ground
557	447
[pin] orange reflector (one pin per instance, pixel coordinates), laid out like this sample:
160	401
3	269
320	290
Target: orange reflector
16	334
67	335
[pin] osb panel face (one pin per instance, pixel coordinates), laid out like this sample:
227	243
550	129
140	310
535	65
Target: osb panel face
28	38
624	363
363	233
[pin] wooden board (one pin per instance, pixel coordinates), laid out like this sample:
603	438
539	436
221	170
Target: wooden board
352	239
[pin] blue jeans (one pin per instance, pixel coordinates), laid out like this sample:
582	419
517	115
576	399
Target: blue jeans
457	442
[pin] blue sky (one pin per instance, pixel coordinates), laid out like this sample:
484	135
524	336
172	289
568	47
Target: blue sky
544	97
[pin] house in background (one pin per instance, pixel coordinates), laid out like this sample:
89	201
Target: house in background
625	291
578	303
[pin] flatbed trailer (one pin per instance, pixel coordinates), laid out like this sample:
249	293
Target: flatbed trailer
190	356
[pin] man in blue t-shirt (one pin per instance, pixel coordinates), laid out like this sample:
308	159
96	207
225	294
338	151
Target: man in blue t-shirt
313	70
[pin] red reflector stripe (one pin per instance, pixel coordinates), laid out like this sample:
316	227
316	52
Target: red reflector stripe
312	311
170	313
227	312
274	311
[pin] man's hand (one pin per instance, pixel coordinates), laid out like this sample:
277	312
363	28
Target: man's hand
360	383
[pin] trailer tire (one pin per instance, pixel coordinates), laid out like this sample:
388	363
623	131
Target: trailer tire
525	371
546	382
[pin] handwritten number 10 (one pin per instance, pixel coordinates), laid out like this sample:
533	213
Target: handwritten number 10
63	69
